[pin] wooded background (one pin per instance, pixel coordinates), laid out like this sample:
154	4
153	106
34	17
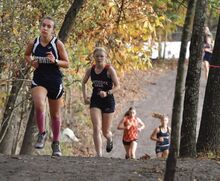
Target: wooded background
123	27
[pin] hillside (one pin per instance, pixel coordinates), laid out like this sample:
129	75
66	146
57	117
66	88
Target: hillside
45	168
148	92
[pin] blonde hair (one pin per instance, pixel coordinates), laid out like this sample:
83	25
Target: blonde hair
99	49
159	115
102	49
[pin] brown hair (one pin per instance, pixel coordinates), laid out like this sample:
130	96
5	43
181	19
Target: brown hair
127	113
49	18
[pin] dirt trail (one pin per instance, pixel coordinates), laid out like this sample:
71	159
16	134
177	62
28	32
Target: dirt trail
159	97
160	93
45	168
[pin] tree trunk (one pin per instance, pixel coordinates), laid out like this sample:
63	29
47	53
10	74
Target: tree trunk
189	124
27	147
165	45
69	20
209	133
6	146
160	47
6	123
179	92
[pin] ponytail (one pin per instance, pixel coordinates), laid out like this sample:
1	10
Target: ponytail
159	115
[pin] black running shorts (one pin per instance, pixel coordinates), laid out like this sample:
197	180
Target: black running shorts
128	142
106	104
160	149
54	89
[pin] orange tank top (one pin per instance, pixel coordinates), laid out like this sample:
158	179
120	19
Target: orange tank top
131	133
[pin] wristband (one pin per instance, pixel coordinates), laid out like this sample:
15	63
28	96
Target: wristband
56	61
109	92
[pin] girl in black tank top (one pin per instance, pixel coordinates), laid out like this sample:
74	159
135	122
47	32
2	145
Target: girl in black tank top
47	82
102	104
161	135
101	81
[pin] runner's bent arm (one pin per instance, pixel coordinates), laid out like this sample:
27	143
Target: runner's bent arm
154	135
84	87
122	126
64	60
114	78
28	54
141	125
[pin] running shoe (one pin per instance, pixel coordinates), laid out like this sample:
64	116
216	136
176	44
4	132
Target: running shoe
109	146
41	140
56	149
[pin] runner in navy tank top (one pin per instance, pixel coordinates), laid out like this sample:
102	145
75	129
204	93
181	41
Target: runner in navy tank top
47	74
163	145
101	82
208	48
47	54
102	104
161	135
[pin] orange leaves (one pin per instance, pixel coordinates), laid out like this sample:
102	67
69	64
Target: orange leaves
121	27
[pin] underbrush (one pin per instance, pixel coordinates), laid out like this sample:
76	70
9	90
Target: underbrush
209	155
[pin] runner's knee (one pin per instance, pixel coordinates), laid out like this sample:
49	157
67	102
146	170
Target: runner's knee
97	130
107	133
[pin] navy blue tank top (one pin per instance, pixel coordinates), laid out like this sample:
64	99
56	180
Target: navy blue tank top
101	81
46	70
165	137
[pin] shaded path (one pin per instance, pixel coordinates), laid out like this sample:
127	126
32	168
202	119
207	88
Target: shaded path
160	93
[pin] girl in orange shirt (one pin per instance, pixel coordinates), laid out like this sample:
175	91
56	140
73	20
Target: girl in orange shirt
131	126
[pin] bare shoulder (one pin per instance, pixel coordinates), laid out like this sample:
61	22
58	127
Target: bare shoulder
157	129
30	43
29	47
111	71
111	68
88	71
59	43
87	75
169	129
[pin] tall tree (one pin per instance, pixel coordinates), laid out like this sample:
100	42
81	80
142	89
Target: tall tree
189	123
209	133
69	20
179	93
